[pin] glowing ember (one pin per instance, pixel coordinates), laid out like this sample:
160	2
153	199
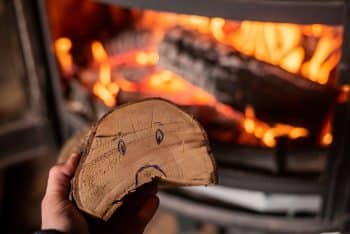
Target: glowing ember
62	49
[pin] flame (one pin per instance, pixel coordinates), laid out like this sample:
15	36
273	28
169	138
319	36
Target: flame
280	44
293	61
217	25
126	85
269	42
269	134
104	88
147	58
169	85
105	73
344	94
62	48
319	67
327	139
98	52
249	123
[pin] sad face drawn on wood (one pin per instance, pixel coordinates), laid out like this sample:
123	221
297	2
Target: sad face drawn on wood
136	144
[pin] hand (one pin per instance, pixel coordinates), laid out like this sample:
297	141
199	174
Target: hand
59	213
132	217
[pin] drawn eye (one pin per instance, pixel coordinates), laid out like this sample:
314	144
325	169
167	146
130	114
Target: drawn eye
121	147
159	136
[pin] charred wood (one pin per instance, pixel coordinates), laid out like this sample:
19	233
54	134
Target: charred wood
235	79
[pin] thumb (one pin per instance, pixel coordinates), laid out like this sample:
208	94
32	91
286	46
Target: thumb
59	177
147	211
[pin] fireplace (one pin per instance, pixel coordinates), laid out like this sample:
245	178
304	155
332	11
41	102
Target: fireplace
267	79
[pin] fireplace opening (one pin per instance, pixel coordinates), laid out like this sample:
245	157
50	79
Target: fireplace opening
264	91
269	81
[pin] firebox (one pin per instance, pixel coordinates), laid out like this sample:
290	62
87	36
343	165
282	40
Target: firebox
267	80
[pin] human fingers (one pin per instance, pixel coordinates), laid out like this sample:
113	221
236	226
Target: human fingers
147	211
59	177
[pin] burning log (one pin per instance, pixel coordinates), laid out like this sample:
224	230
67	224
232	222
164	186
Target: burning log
130	40
275	94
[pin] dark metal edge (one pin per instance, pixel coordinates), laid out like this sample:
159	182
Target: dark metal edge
301	12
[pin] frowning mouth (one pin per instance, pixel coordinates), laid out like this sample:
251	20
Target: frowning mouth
146	167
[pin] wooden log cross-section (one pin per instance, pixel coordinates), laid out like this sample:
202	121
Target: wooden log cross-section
133	145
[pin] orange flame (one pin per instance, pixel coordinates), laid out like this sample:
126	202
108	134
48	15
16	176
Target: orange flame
169	85
327	139
62	48
280	44
98	52
326	135
147	58
104	88
322	61
268	134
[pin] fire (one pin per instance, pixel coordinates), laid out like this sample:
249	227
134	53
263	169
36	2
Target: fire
166	84
344	94
104	88
326	136
280	44
327	139
293	60
217	25
269	134
322	61
147	58
272	42
62	48
98	52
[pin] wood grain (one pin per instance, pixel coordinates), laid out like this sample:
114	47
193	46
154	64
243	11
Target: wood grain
136	144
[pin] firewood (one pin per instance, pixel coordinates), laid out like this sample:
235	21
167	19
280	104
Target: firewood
150	140
129	40
235	79
75	144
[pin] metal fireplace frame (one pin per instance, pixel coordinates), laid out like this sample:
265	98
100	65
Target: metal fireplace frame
32	134
334	185
318	11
